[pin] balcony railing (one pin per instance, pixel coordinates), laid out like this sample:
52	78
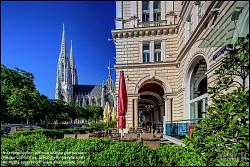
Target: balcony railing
180	128
154	23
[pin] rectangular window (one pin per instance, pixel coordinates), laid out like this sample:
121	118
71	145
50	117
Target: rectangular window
145	5
146	52
145	17
157	51
157	4
157	16
145	11
157	10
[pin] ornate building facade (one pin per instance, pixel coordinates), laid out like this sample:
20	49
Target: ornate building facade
68	89
169	50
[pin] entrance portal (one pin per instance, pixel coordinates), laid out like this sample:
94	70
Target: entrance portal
151	106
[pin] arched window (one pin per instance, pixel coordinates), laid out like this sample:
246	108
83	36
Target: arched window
198	90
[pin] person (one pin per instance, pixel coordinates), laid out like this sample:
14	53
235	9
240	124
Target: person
154	127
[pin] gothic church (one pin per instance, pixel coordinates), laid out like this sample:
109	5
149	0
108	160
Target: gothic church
68	89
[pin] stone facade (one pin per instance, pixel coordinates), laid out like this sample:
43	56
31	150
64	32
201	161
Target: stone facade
189	33
67	87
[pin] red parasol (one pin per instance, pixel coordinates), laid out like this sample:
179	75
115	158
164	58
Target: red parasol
122	102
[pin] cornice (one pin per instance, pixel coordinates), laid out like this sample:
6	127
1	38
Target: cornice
145	31
145	65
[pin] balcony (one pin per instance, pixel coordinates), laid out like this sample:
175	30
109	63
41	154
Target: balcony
153	23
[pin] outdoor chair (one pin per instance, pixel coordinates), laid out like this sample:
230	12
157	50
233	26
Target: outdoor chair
131	130
115	135
100	134
139	130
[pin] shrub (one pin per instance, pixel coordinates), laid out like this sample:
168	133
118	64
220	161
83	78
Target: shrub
10	147
127	154
50	133
68	151
172	155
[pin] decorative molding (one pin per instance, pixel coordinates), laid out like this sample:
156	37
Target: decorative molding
147	31
143	65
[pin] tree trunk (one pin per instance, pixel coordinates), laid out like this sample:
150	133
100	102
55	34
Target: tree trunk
27	121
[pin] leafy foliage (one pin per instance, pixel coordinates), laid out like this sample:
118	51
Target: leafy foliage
127	154
226	130
173	155
21	101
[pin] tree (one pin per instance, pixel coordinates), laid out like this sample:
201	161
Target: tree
23	103
72	110
12	83
226	130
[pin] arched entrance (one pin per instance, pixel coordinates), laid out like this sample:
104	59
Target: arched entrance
196	87
151	106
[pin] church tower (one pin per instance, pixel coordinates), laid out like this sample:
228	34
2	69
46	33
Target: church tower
109	82
64	88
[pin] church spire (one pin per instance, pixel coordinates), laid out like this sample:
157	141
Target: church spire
73	66
109	82
63	45
72	61
109	68
64	88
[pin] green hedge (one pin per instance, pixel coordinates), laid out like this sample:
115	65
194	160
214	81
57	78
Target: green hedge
50	133
173	155
128	154
21	143
98	152
92	151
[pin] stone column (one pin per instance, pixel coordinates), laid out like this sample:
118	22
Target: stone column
156	115
168	109
167	116
162	112
135	112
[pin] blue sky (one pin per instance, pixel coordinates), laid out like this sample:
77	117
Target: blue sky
31	34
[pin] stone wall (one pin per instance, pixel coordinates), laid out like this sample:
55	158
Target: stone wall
180	55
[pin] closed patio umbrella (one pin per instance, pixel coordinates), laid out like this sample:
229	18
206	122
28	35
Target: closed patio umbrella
113	115
108	112
105	113
122	103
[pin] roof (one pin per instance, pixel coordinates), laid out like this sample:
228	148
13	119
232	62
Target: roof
95	90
